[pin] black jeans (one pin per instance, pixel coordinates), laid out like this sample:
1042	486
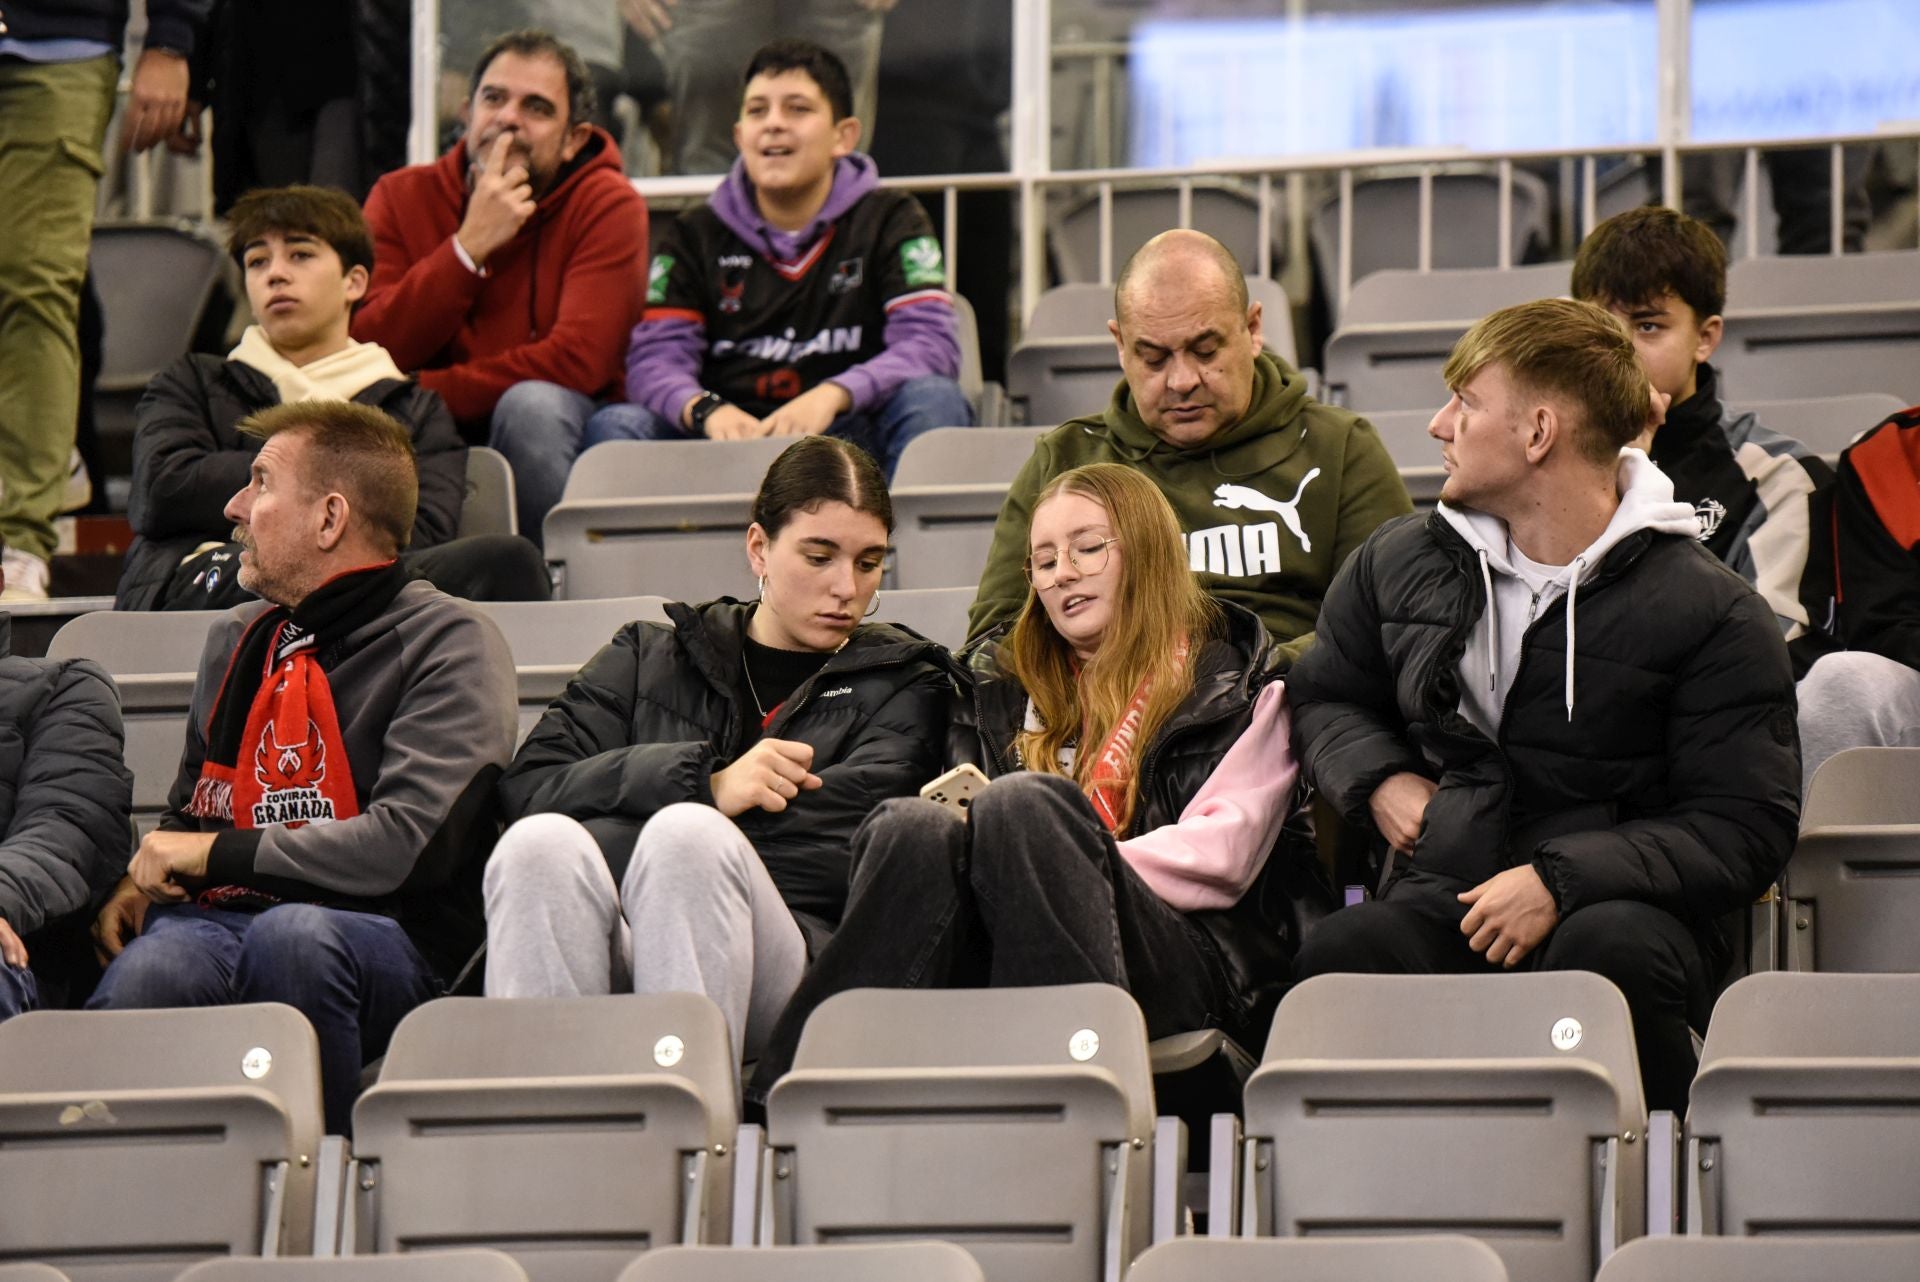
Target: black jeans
1648	954
1031	891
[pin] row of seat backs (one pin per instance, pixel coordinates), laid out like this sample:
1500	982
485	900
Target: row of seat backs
1796	327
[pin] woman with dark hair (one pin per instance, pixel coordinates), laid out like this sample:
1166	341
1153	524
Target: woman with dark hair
1133	831
715	770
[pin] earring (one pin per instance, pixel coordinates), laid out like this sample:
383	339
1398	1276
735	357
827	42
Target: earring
763	587
874	608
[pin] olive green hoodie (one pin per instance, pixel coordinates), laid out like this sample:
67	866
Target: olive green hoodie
1270	507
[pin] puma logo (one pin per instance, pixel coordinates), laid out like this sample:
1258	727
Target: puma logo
1239	496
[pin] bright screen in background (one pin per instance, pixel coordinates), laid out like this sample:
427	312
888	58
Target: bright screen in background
1500	78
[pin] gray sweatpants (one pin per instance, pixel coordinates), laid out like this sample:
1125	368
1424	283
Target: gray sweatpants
1856	700
695	913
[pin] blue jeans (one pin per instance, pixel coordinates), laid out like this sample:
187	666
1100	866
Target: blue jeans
18	990
353	975
919	406
539	427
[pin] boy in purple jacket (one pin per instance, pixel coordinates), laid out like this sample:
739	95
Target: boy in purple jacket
801	298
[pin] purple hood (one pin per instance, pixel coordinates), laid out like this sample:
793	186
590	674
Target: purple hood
853	177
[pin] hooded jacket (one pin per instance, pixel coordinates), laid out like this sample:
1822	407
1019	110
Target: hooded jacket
649	719
1274	899
64	793
554	304
1755	492
425	698
736	306
1270	507
1675	779
190	459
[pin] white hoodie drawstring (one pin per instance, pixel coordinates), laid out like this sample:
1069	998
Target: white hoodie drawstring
1578	569
1493	626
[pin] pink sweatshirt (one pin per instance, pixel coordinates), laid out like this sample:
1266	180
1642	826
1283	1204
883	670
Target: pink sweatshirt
1210	856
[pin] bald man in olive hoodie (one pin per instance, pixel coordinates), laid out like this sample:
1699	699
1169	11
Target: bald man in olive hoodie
1273	490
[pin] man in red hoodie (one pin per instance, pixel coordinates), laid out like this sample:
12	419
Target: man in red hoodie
509	272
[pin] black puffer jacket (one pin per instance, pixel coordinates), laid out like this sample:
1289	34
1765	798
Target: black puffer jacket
1257	938
1674	781
64	794
189	459
171	24
650	718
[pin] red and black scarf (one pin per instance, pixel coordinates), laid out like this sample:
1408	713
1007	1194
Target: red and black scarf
275	755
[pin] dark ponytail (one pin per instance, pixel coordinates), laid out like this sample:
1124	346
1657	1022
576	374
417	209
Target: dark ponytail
820	469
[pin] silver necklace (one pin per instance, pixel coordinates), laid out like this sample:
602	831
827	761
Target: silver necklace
747	672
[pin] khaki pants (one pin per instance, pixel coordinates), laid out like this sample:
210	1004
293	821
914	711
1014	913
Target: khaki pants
53	118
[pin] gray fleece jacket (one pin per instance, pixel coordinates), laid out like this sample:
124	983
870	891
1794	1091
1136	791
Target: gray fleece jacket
425	696
64	792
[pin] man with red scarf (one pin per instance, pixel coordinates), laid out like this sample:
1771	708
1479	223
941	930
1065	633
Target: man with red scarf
324	836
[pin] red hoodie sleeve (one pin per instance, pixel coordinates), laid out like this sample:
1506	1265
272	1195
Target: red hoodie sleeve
601	295
414	305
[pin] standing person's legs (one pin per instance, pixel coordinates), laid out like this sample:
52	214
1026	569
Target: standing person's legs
538	427
919	406
707	918
1652	958
706	52
52	119
909	921
1061	906
1803	198
1854	699
185	955
554	927
353	975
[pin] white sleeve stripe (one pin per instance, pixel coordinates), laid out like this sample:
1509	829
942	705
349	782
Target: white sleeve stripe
919	296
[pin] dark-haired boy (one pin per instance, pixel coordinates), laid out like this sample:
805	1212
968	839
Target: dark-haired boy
305	254
801	298
1665	276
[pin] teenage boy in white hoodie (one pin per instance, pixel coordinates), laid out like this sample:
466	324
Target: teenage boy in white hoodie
1561	783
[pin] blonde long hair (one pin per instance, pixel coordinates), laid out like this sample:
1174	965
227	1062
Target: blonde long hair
1158	602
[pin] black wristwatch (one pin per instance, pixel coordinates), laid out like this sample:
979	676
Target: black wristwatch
702	408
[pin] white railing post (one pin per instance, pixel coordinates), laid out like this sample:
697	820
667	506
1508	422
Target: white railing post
422	140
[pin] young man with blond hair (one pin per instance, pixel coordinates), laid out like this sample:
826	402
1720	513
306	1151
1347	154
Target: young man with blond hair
1570	728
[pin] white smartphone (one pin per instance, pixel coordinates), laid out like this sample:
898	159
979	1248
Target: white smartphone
956	789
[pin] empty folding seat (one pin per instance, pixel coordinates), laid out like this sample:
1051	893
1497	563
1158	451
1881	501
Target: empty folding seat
1507	1107
1017	1123
1774	1259
568	1132
1443	1258
1228	213
139	1142
1825	424
1818	325
488	505
153	658
890	1262
550	640
1863	786
947	494
435	1266
1852	889
938	614
1804	1117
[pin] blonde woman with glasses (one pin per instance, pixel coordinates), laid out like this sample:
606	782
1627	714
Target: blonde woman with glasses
1141	779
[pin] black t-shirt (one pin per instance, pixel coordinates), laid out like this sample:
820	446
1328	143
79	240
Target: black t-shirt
768	677
775	330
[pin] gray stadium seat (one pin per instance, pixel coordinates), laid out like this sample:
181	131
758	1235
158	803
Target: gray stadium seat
569	1132
938	614
1466	222
1864	786
888	1262
551	639
1507	1107
1400	327
1066	365
989	400
1827	424
1816	325
138	1142
437	1266
1889	1258
31	1273
946	495
1017	1123
153	658
1804	1117
1447	1258
488	506
663	517
1230	214
1850	892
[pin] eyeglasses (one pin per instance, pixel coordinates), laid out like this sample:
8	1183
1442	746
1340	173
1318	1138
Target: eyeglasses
1090	557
